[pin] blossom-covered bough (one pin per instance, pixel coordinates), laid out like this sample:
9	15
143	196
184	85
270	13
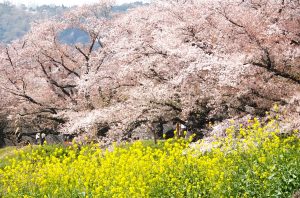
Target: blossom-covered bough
198	62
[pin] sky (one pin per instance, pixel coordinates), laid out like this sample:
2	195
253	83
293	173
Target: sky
64	2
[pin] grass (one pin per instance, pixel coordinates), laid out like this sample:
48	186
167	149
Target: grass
5	154
6	151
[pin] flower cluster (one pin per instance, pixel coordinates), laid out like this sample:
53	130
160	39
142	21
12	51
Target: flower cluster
252	161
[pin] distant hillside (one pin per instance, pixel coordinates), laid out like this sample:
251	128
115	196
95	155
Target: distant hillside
15	20
126	6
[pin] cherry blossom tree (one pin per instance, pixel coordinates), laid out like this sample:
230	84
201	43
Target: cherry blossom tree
41	75
193	62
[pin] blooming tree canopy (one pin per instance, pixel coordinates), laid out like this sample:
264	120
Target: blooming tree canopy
196	62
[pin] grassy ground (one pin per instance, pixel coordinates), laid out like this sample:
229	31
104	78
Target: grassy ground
7	151
5	154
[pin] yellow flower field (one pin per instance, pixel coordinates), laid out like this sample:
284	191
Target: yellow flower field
252	161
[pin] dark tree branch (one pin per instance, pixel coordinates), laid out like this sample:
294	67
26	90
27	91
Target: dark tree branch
55	83
259	95
81	52
168	104
25	96
61	63
9	59
277	72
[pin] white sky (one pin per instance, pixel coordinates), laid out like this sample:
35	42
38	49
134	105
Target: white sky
64	2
